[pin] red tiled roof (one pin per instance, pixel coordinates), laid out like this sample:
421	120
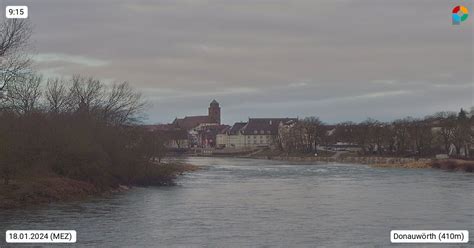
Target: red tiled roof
190	122
267	125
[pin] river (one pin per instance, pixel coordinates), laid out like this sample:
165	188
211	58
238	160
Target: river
260	203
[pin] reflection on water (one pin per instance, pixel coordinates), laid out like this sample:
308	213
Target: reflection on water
243	202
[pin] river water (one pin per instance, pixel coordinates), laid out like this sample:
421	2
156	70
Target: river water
260	203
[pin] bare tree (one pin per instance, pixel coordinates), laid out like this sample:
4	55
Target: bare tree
117	105
462	134
153	145
14	36
122	104
421	136
447	127
86	94
401	135
376	140
12	67
345	131
361	136
56	96
314	132
24	94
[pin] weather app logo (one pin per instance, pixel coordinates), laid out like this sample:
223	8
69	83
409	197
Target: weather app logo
460	14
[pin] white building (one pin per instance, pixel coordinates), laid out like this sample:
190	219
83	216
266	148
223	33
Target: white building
257	132
232	137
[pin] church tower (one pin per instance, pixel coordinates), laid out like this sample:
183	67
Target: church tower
215	112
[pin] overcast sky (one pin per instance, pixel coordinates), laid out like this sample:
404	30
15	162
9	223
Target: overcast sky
336	59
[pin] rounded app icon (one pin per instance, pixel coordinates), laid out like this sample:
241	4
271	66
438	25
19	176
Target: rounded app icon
459	14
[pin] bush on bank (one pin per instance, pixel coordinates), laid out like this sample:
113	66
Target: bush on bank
79	129
454	165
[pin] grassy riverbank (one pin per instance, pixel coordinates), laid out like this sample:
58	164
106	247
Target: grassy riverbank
408	165
374	161
47	188
445	164
454	164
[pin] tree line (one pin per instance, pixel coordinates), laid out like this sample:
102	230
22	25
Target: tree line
442	133
81	127
78	128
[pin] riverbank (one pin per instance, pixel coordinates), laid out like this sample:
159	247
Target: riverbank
234	198
444	164
30	191
454	164
368	160
373	161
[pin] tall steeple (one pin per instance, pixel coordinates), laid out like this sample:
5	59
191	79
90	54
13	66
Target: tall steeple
214	112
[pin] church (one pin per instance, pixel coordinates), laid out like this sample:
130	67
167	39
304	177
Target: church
189	122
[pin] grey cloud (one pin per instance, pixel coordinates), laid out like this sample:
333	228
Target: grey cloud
65	58
266	57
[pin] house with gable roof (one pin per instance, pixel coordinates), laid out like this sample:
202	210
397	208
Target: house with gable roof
257	132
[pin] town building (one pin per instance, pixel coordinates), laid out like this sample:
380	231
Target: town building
257	132
201	130
190	122
205	135
232	137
